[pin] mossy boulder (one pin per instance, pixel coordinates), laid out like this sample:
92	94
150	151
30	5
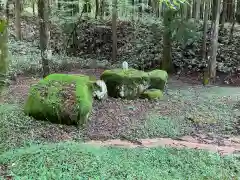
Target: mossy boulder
131	83
61	98
158	79
152	94
127	84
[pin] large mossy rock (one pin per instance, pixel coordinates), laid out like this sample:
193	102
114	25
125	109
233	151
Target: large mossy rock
61	98
131	83
127	84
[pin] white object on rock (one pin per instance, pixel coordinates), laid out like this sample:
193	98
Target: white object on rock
100	94
125	65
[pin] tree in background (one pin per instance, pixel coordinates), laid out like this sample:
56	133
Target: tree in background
18	19
170	10
214	43
3	51
114	31
43	14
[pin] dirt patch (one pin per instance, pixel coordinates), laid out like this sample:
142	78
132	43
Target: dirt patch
185	142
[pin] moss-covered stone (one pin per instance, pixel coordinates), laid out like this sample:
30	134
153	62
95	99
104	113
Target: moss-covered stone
152	94
61	98
127	84
158	79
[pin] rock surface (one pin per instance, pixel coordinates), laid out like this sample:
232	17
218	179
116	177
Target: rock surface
131	83
61	98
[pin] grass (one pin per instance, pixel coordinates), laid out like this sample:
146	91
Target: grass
205	110
71	160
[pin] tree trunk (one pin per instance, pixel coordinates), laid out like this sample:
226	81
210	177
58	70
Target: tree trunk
140	9
166	63
8	10
156	7
189	11
184	11
102	8
233	20
33	7
44	34
224	14
197	9
114	31
18	19
194	8
230	9
238	11
202	10
214	5
205	29
97	8
3	52
214	45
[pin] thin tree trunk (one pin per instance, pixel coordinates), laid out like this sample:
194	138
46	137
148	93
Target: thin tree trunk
18	19
114	31
166	63
189	11
3	52
214	45
102	8
224	14
194	8
156	7
44	34
33	7
197	10
7	10
205	29
97	8
230	9
238	11
233	20
202	10
184	11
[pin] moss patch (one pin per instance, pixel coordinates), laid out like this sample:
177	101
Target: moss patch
125	83
152	94
158	79
61	98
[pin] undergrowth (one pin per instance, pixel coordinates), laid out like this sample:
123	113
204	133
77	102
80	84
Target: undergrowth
71	160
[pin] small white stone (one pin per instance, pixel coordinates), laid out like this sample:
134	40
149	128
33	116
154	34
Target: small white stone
125	65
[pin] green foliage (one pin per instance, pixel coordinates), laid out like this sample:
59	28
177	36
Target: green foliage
161	126
184	32
69	159
13	127
173	4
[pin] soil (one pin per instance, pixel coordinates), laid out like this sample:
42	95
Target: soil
113	117
232	145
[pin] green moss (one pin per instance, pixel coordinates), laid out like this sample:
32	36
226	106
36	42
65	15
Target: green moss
158	79
125	83
61	98
152	94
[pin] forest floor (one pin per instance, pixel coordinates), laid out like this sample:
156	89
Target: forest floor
190	115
